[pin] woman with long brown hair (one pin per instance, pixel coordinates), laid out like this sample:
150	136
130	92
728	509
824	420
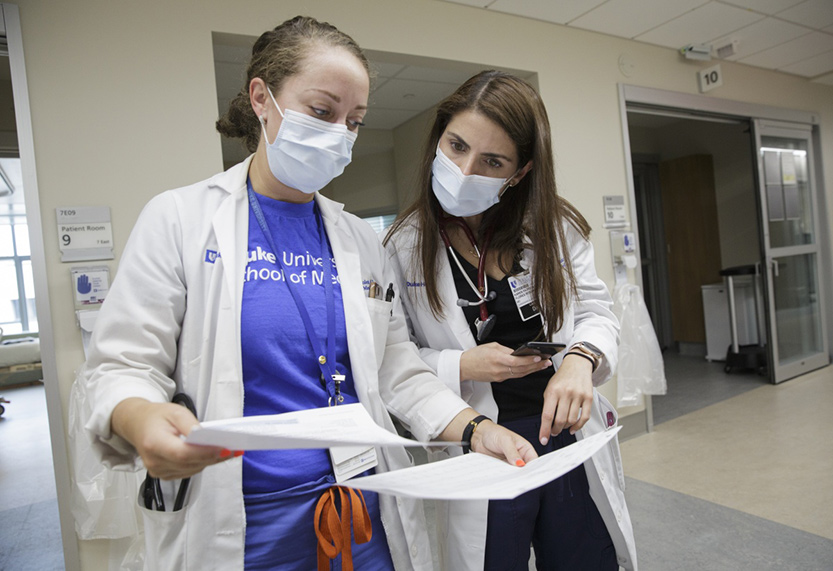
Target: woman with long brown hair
491	257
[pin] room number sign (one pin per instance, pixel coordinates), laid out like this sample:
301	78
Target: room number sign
85	233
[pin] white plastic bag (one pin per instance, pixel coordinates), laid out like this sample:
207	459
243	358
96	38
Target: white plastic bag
641	369
103	501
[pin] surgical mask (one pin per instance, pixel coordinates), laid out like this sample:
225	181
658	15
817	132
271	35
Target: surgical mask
462	195
307	153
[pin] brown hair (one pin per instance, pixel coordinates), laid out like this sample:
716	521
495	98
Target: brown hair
531	209
277	55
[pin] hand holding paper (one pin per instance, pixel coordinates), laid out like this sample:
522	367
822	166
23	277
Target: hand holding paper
480	477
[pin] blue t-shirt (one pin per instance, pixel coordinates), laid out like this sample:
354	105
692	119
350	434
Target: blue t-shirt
280	367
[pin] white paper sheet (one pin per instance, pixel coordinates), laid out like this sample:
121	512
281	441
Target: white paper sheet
348	424
480	477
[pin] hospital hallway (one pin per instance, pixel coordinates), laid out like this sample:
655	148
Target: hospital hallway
735	476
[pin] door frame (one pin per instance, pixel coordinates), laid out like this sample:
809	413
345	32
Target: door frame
699	105
10	14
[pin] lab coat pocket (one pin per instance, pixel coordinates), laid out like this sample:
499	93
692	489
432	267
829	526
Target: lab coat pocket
610	418
380	313
165	536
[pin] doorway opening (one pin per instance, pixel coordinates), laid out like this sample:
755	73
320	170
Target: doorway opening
27	483
695	201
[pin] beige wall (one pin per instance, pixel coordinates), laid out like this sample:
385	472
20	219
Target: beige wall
368	185
123	103
409	141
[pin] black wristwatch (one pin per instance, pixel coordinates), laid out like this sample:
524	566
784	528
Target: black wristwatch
468	432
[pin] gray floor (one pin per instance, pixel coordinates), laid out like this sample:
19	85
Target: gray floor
694	383
677	532
30	535
673	531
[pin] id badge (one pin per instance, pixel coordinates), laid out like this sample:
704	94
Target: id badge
349	461
521	286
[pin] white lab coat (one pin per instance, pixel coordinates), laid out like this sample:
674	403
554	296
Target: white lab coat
171	323
462	524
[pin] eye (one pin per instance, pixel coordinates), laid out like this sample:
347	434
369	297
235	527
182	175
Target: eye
318	112
494	163
457	146
355	123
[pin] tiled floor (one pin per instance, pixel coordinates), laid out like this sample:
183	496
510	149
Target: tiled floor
736	475
30	536
741	483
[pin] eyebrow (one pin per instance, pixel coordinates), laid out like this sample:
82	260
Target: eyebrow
491	155
333	96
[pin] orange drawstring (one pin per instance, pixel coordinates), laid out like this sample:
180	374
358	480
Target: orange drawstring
334	532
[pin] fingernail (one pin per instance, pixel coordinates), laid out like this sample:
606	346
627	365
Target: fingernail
238	453
536	359
520	463
225	453
544	440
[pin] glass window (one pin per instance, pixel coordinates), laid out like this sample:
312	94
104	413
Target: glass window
380	223
21	236
17	288
6	241
9	295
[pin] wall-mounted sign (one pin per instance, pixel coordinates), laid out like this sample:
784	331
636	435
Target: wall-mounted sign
90	285
709	78
85	233
615	215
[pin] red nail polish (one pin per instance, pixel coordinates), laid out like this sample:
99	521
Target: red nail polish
238	453
520	463
225	453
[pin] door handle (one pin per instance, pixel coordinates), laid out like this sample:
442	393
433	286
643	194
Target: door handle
775	267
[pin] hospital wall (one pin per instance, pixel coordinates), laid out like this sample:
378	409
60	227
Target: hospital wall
123	104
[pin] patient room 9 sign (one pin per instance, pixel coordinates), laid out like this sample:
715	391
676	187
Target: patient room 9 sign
85	233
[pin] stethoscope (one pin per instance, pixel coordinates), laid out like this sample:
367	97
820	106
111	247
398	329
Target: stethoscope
485	323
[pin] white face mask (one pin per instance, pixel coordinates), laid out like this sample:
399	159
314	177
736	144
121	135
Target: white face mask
462	195
307	153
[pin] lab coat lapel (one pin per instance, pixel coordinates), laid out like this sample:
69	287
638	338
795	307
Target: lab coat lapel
231	227
455	319
348	263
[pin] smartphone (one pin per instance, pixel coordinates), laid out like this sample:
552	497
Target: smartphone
539	348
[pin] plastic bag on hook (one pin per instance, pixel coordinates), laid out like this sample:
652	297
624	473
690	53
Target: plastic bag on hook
641	369
103	500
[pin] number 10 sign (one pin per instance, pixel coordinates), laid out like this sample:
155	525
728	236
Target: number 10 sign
85	233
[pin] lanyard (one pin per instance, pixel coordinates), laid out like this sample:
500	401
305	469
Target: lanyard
330	378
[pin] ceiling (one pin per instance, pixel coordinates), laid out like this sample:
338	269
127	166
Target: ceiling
791	36
403	87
